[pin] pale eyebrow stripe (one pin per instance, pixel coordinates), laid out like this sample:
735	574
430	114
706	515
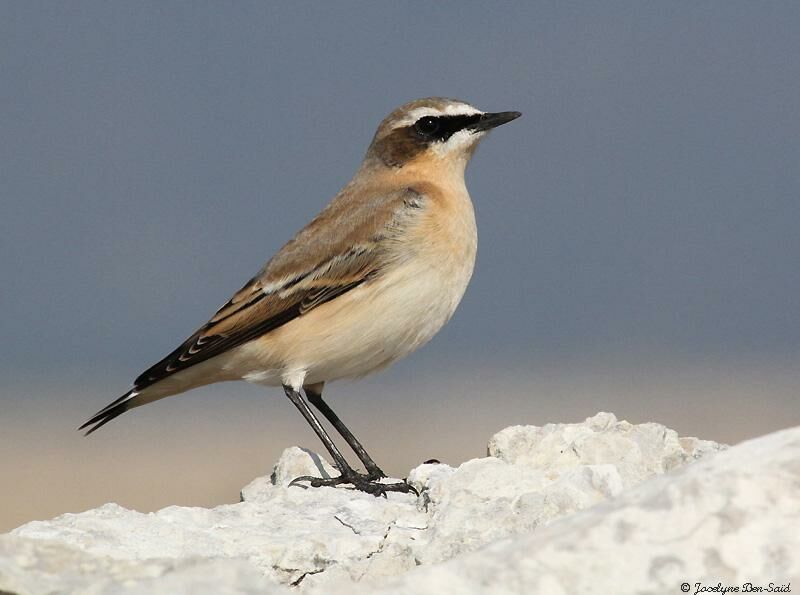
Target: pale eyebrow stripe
450	110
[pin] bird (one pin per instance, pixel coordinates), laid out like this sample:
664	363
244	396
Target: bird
375	275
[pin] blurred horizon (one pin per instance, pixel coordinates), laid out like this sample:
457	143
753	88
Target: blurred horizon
202	447
637	226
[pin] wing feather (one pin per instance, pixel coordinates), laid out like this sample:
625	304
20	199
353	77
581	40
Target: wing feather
345	246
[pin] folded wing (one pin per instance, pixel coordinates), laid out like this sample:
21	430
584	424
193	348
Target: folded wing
345	246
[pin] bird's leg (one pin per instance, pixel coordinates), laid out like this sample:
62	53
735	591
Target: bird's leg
315	398
360	482
297	399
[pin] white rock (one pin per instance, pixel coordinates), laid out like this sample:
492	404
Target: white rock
32	566
284	534
536	474
481	527
636	451
294	462
730	519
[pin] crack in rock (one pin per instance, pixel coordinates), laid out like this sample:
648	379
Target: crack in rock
321	563
297	582
353	529
379	549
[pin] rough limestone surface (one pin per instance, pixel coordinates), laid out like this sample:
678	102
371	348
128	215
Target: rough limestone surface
730	520
600	506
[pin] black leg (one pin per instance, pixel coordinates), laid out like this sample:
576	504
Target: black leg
315	398
364	483
297	399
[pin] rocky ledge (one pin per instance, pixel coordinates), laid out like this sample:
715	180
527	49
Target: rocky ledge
601	506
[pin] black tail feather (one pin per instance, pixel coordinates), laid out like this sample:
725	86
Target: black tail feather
109	412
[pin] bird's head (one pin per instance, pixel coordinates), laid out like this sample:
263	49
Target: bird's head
432	130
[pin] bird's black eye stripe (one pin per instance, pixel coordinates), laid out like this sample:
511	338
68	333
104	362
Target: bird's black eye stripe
440	128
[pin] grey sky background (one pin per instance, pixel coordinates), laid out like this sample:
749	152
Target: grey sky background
638	226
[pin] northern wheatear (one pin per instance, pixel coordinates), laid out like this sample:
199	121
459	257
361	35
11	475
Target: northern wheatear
373	277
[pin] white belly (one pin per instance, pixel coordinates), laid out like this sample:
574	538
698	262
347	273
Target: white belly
400	313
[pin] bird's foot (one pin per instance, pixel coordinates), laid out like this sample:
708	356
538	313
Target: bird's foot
364	483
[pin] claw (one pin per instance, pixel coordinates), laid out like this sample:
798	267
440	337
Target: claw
297	481
363	483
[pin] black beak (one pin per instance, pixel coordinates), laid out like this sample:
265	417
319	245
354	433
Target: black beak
489	121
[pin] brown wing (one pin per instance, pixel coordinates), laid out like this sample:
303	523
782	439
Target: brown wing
344	246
